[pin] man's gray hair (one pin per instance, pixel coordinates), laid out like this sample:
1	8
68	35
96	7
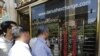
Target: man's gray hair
16	31
42	28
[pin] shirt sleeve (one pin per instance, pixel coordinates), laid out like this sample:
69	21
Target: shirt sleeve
40	52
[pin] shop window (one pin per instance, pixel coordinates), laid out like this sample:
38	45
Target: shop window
72	25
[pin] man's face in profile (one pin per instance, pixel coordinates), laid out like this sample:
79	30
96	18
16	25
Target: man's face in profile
9	30
47	34
27	36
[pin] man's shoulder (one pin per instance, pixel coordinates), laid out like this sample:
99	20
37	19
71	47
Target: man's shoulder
33	40
15	49
38	43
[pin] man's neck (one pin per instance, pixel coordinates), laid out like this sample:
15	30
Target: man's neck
42	36
22	40
9	37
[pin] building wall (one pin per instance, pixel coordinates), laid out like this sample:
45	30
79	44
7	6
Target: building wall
1	11
9	12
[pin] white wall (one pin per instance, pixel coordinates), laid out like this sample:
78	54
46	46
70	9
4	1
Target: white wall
11	13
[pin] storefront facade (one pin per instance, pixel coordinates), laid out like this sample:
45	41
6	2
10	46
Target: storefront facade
74	25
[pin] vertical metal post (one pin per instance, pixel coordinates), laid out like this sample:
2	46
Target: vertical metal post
98	29
30	19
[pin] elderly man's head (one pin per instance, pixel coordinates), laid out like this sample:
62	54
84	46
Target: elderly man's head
43	30
21	33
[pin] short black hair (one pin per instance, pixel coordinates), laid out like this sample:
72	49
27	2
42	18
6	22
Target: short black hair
42	28
17	30
7	24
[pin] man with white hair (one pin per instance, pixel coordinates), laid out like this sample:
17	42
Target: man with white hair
21	47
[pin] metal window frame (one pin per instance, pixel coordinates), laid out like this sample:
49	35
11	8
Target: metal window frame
98	30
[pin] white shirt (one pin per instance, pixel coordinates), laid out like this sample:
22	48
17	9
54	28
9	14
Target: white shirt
5	46
20	49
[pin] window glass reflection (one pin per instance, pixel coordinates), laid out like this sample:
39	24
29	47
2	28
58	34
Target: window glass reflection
72	25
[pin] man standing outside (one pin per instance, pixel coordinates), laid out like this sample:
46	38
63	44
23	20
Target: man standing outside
6	38
22	38
40	47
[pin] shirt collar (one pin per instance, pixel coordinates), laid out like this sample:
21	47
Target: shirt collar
22	43
42	39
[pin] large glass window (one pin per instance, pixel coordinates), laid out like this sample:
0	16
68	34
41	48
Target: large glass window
82	16
72	25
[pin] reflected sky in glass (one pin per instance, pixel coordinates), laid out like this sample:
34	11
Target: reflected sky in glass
91	16
36	10
92	6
